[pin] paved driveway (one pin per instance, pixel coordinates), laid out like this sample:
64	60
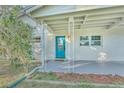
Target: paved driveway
90	67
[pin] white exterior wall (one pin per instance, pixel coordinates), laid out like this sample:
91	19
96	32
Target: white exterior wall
112	45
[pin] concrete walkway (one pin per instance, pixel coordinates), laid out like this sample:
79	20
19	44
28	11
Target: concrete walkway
89	67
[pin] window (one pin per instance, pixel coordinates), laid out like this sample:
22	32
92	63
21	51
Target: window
90	40
95	40
84	41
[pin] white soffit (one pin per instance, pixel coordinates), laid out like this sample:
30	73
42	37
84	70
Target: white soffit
96	16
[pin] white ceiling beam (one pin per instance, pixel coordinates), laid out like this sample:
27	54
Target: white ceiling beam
57	21
102	21
96	25
65	25
61	25
86	22
115	24
65	29
78	26
88	27
106	16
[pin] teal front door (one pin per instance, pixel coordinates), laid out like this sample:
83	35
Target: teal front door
60	46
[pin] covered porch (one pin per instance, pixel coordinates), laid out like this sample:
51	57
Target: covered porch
91	39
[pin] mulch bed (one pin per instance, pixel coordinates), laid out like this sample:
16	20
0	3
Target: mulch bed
96	78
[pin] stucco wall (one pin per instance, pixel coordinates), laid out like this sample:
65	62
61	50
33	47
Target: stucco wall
112	45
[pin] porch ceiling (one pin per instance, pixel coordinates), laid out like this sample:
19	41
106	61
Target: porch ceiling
103	17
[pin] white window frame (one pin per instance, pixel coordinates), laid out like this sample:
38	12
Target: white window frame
85	40
96	40
90	40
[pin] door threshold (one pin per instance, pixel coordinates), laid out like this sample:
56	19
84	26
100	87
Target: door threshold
60	59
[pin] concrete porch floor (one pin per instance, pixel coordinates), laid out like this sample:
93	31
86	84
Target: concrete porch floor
89	67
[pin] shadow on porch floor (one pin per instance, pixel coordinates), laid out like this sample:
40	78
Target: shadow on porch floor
89	67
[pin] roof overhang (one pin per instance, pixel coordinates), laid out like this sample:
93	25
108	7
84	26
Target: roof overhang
84	16
32	8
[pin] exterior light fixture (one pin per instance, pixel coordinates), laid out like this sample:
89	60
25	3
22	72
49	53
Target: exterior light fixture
68	39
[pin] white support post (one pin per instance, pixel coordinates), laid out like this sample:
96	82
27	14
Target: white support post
83	22
32	48
42	46
71	44
45	45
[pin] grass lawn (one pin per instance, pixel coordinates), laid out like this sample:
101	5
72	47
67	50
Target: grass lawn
6	73
58	84
51	80
34	84
44	76
10	73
